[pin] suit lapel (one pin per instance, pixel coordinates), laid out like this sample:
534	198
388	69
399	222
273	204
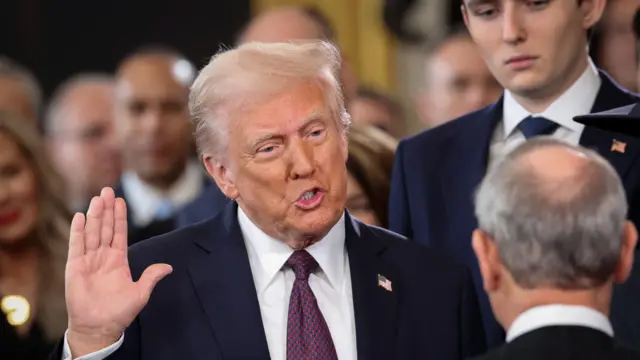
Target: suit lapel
609	97
374	306
465	165
224	285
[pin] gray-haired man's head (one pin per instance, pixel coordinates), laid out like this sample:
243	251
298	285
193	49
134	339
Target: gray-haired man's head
552	216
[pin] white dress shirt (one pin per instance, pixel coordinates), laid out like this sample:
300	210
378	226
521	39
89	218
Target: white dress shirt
331	285
553	315
577	100
144	199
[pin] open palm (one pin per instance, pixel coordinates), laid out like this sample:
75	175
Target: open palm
102	298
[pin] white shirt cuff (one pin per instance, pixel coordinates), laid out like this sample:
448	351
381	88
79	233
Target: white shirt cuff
98	355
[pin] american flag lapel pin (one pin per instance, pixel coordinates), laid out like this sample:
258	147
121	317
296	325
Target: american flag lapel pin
618	146
384	283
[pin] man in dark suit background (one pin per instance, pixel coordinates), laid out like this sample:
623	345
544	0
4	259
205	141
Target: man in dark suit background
538	52
553	238
155	134
283	272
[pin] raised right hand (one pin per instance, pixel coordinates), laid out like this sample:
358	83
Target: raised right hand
102	298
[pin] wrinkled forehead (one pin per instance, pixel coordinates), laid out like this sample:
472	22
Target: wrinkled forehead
284	113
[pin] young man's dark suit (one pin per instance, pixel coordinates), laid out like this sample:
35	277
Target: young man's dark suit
437	171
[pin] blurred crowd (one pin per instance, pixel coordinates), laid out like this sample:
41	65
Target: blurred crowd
131	130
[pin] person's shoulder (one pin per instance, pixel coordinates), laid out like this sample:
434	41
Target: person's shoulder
171	247
413	255
622	353
443	133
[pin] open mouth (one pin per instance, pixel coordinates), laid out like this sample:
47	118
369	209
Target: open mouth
310	199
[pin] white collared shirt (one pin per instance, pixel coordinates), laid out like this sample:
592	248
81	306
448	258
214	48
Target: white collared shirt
577	100
553	315
331	285
144	199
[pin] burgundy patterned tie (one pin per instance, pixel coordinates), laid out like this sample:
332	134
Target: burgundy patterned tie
308	337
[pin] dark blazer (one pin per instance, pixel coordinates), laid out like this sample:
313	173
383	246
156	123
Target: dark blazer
208	309
437	171
159	227
32	346
561	343
204	207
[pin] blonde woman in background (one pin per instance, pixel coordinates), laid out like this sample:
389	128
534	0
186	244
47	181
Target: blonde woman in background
34	228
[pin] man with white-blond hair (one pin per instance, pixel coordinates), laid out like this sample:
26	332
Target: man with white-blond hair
552	241
283	272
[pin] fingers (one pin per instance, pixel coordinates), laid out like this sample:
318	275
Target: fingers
150	277
92	227
107	226
120	225
76	236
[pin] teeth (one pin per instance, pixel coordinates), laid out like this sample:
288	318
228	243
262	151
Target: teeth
308	195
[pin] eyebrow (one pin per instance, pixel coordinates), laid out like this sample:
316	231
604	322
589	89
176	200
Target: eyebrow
315	116
472	3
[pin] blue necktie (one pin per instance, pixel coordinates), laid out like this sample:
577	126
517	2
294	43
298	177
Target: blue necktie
536	126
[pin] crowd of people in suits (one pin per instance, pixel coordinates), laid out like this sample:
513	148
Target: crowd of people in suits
261	207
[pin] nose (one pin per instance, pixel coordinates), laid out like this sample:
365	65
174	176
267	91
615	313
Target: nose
4	191
301	159
151	121
512	29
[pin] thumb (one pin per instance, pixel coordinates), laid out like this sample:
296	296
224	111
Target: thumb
151	276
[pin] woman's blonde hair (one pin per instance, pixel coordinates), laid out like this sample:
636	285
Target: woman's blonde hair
52	227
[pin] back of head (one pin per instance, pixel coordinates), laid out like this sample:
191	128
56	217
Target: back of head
556	213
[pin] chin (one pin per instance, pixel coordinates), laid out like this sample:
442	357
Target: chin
318	221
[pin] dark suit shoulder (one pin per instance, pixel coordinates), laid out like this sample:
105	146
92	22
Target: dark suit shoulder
443	132
412	255
170	247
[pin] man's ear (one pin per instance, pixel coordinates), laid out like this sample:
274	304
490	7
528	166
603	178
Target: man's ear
488	259
627	250
221	174
465	16
592	11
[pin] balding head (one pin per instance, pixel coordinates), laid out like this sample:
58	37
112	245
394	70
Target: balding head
281	25
556	213
152	119
298	23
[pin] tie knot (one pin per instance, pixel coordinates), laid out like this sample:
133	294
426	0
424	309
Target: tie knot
537	126
164	210
302	263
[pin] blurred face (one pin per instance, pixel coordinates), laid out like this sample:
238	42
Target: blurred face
358	203
459	82
367	111
18	194
152	119
286	166
529	59
617	48
84	146
15	99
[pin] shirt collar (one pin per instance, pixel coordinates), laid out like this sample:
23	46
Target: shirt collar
144	198
553	315
269	255
577	100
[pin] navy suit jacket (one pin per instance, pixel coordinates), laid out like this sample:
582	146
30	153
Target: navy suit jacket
158	227
208	309
437	171
204	207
